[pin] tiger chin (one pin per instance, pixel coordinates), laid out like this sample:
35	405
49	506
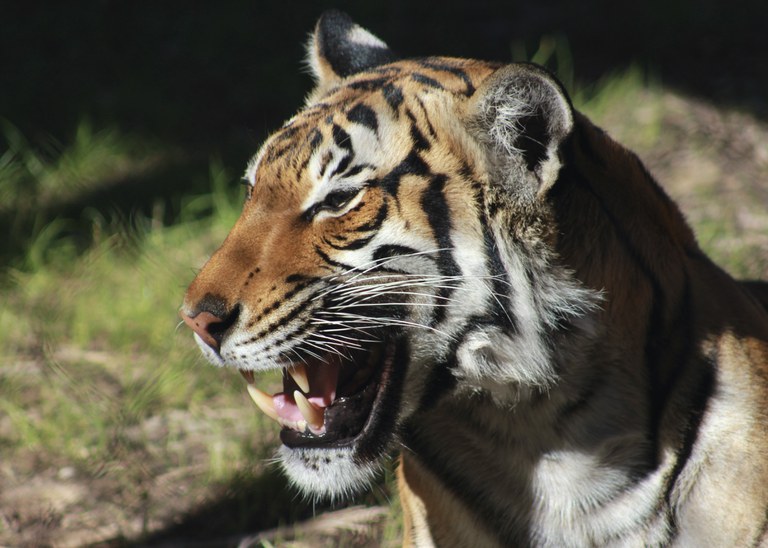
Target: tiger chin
448	261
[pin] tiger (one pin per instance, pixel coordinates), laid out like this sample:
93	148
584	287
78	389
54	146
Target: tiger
450	263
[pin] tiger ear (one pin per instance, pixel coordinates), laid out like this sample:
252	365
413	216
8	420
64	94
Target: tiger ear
522	114
339	48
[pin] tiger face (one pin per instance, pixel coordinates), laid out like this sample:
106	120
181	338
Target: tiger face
376	265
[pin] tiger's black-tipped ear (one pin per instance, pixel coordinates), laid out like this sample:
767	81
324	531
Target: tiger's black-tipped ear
522	114
339	48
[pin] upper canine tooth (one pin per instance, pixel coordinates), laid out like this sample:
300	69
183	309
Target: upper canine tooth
314	416
298	373
263	401
247	375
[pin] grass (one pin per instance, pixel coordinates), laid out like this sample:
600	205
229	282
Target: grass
93	362
101	388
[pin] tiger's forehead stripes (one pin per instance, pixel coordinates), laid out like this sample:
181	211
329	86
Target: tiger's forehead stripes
314	141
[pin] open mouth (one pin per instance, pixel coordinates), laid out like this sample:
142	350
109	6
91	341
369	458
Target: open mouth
332	400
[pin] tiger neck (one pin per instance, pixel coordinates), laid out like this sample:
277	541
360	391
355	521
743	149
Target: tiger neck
544	469
610	212
548	464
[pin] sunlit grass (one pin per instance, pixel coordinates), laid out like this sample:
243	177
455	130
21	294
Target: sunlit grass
94	370
42	173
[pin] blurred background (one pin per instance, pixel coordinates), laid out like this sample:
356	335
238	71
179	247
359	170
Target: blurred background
124	130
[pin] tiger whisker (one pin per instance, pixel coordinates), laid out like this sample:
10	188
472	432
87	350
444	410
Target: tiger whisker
366	305
395	321
322	347
370	265
309	352
341	339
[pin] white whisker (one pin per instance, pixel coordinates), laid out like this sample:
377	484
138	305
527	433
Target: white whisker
394	321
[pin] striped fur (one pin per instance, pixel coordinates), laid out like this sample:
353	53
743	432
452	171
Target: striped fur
570	368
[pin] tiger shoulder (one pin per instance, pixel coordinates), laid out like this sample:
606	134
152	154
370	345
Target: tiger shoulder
450	263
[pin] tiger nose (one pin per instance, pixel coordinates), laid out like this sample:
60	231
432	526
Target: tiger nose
210	327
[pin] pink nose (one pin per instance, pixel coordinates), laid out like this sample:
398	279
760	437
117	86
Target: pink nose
205	324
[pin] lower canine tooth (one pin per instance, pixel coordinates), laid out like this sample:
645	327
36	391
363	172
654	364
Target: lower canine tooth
312	414
263	401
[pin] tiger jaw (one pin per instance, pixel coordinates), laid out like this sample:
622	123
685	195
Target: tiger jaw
331	401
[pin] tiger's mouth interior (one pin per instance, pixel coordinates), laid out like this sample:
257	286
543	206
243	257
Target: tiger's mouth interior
328	401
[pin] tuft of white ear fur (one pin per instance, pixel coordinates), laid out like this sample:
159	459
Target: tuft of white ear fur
339	48
522	114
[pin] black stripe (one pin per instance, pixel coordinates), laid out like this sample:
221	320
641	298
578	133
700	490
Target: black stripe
421	441
426	80
276	152
330	261
285	336
672	347
365	116
419	141
342	138
393	96
386	251
375	440
763	532
389	70
357	169
455	477
699	398
280	322
439	217
315	109
279	302
411	165
441	380
500	284
353	244
315	139
301	278
326	161
456	71
376	222
369	85
425	112
288	133
342	165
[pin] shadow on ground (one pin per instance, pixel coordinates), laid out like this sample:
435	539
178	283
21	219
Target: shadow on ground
247	505
266	504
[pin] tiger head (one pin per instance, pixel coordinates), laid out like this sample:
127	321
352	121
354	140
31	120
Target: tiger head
395	249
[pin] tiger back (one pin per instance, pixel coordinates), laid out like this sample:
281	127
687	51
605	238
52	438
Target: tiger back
448	261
